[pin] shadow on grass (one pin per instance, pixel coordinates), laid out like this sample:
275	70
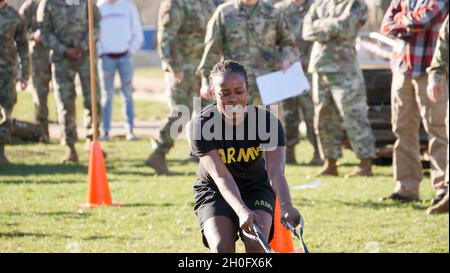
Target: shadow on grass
107	237
65	214
150	173
97	237
303	202
138	173
43	182
21	234
418	205
163	205
36	169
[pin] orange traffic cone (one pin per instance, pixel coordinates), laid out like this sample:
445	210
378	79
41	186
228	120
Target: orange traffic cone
98	189
282	240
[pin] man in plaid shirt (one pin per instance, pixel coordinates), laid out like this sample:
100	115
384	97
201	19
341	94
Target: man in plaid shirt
415	25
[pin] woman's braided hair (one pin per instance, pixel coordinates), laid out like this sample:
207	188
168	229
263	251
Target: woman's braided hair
228	66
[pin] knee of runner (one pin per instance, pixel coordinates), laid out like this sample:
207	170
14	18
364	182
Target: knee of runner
253	246
222	245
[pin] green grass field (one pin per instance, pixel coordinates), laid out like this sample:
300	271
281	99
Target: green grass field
40	204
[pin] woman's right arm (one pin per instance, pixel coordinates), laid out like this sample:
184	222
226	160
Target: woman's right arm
212	162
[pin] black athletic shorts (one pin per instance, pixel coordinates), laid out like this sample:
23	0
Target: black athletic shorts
210	203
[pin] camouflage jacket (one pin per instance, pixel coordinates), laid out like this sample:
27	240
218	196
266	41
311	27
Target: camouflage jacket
64	24
13	40
295	14
259	40
439	63
333	26
181	31
28	10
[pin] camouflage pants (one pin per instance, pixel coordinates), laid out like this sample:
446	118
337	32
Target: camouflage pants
293	108
340	102
42	75
181	93
64	72
8	98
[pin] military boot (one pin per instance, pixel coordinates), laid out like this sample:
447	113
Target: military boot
364	168
157	161
71	155
3	159
290	155
329	168
439	208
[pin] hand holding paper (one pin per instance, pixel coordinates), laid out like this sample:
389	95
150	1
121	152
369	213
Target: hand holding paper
278	86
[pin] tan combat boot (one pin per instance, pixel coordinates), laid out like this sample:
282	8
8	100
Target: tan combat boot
439	208
364	168
157	161
71	155
290	155
329	168
3	159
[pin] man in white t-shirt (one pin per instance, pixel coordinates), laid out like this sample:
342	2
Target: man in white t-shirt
121	36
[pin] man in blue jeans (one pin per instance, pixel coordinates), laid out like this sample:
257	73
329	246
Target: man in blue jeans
121	36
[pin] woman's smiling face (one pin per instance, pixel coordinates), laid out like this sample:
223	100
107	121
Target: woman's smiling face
231	94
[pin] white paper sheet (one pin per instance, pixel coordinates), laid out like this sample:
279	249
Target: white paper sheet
278	86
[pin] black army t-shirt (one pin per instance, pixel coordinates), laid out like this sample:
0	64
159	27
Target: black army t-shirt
240	147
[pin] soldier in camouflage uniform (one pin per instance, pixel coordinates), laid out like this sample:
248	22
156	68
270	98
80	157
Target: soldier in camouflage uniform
339	91
295	11
182	27
40	64
64	28
13	40
252	32
437	84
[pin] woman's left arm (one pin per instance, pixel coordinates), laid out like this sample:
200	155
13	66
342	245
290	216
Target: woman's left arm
275	170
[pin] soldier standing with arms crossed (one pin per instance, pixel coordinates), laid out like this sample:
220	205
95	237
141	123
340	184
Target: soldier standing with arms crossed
339	91
13	40
64	29
182	26
295	11
40	64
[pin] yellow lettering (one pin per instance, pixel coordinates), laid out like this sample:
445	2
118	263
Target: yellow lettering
230	154
245	155
255	152
222	155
